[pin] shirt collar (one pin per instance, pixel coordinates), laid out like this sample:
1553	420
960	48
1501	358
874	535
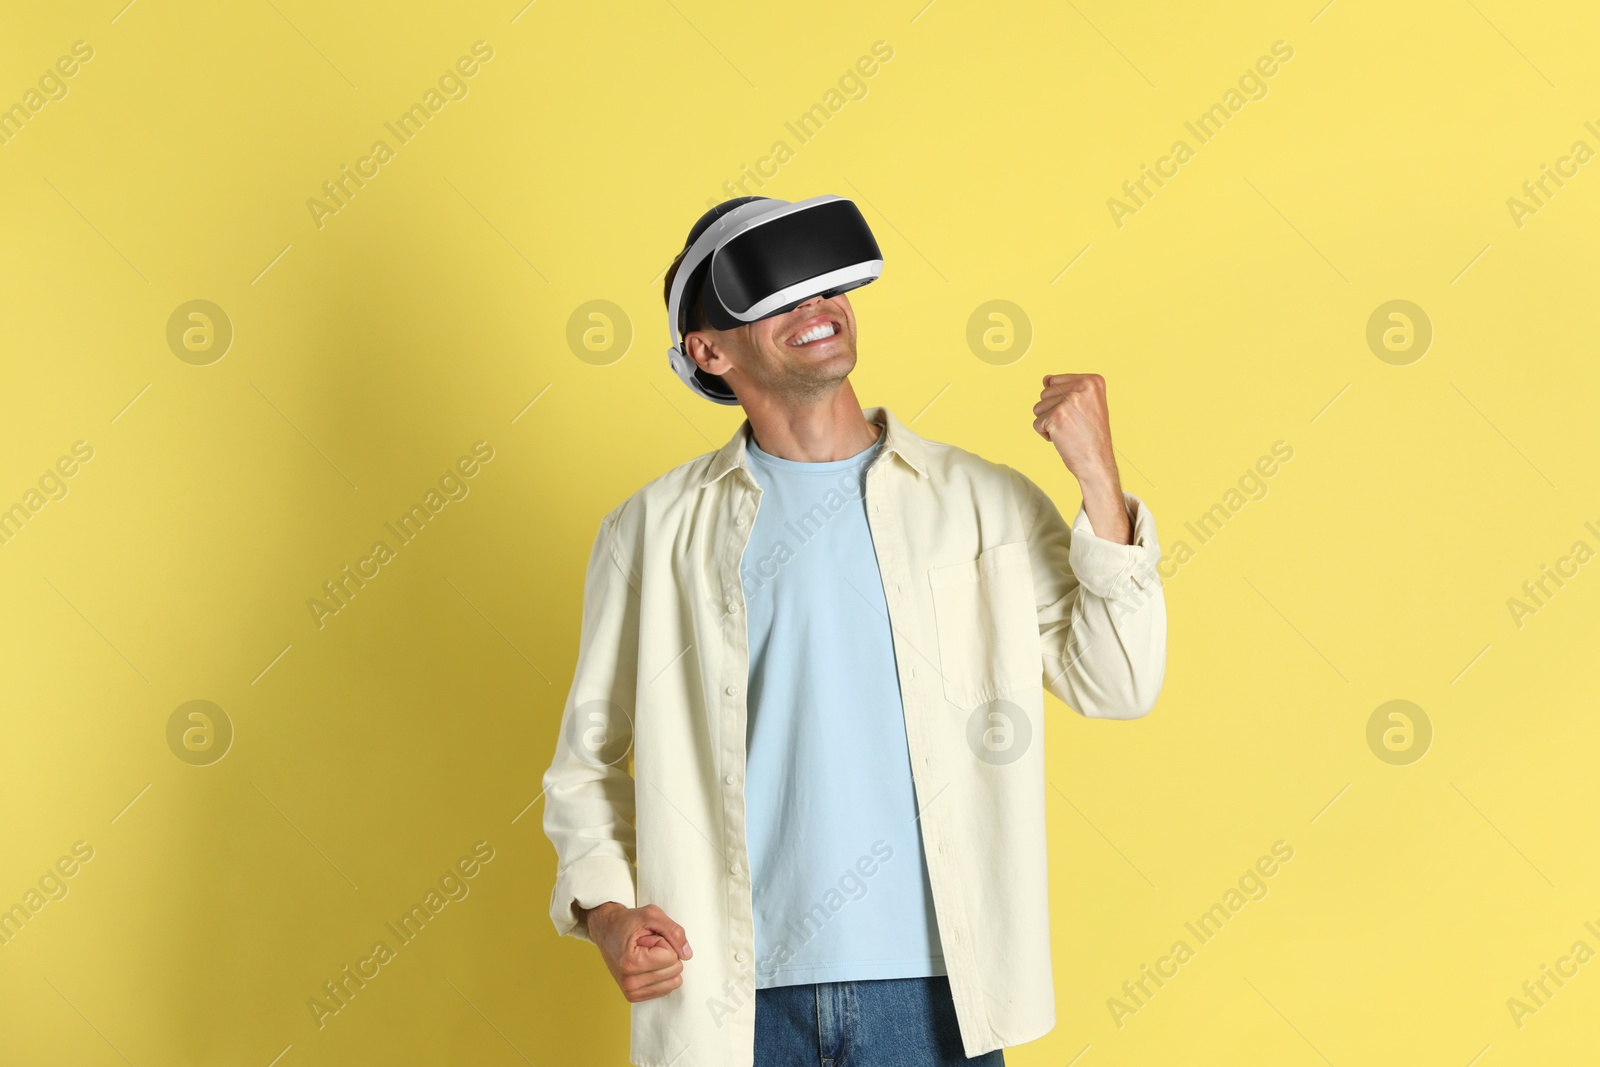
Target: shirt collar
897	438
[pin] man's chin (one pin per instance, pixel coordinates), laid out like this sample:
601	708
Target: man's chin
828	371
815	380
804	361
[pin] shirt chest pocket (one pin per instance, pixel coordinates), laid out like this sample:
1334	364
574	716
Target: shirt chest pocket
987	625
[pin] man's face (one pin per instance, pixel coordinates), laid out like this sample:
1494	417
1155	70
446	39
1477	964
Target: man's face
801	355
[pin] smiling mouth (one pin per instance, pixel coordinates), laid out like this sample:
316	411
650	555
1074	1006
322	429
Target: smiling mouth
816	334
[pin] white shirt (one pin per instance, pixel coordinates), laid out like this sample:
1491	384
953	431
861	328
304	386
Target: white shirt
992	600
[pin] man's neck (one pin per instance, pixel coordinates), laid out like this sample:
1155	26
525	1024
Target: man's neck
832	428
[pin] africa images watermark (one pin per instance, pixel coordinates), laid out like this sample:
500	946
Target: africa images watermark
800	529
52	86
52	886
1252	85
1252	486
452	486
799	931
1537	192
339	991
52	485
452	85
1538	992
852	85
1553	577
1252	885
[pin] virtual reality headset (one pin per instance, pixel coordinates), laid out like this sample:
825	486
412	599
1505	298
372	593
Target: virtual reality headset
765	258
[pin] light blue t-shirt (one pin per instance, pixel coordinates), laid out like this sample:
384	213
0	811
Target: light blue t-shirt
840	882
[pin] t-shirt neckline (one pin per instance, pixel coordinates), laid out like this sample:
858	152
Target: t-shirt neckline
801	466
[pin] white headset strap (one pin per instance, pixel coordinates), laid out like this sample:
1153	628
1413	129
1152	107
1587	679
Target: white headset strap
713	238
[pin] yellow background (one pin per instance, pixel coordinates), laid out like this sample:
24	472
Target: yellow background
433	309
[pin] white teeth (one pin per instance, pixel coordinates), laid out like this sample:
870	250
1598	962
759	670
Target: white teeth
816	333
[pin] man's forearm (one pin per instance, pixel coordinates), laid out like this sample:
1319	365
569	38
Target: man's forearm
1104	504
582	913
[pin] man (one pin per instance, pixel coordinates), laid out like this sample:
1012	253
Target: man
826	646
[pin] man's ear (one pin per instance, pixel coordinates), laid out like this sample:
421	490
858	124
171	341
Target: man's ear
698	344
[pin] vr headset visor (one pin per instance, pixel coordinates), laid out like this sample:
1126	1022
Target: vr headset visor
765	258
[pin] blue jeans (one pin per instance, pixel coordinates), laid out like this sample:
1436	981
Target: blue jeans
886	1022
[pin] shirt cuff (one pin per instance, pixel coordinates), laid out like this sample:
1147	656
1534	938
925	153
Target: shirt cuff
589	883
1110	570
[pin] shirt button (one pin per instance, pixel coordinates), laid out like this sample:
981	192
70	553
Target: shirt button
733	606
732	689
733	868
740	521
730	779
739	956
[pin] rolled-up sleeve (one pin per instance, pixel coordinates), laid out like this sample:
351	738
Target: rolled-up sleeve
1102	613
588	792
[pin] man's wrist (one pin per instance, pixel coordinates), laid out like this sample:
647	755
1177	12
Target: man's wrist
583	914
1102	478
